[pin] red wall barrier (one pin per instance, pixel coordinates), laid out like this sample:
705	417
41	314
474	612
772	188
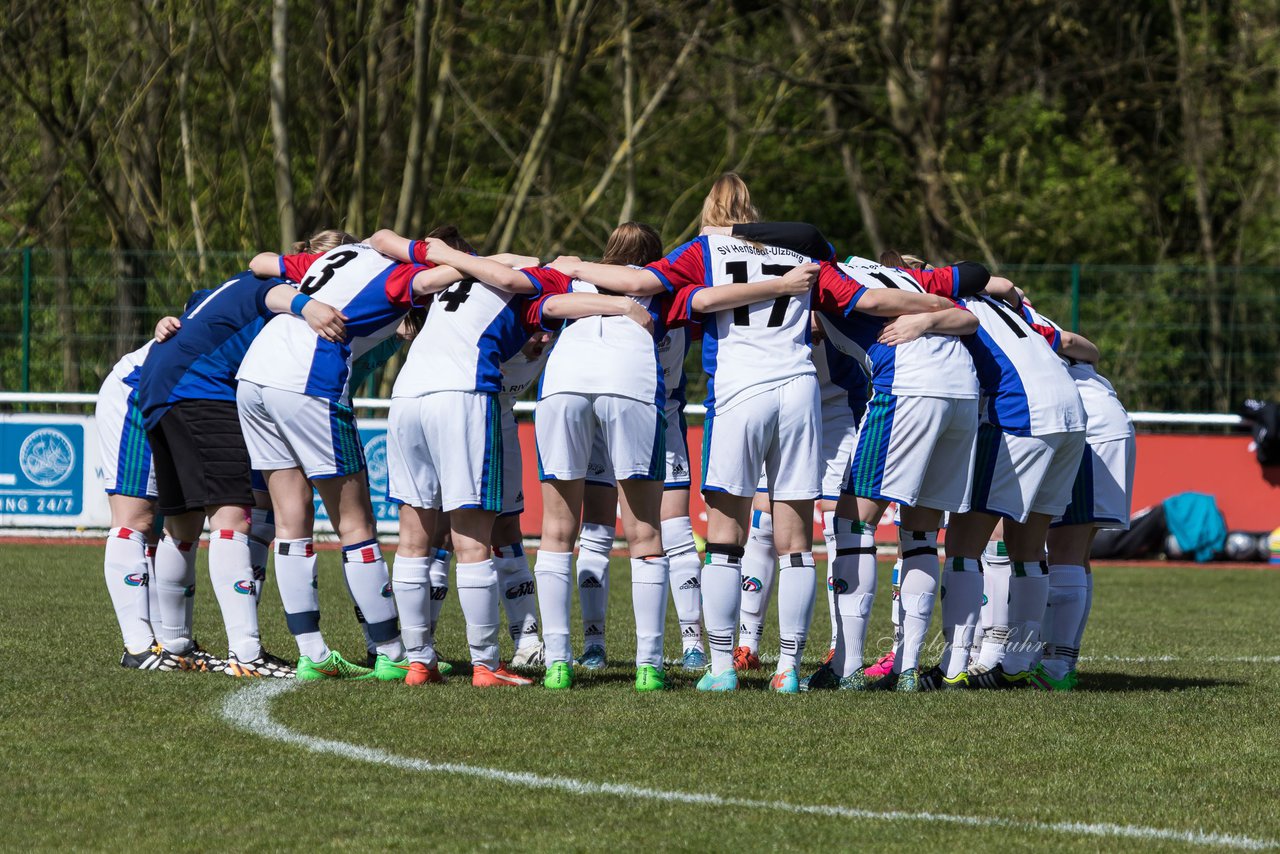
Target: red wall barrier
1223	466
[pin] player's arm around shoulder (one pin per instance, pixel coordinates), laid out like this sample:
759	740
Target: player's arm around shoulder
628	281
1073	345
795	282
909	327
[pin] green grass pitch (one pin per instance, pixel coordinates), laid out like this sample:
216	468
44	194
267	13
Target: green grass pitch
1184	739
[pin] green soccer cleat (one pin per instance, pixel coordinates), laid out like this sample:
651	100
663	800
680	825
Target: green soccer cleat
386	670
559	676
908	682
650	678
445	667
1041	679
935	679
333	667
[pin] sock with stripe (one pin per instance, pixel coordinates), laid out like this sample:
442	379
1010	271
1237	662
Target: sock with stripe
370	585
262	530
555	594
1064	618
438	570
1028	596
231	576
829	536
519	599
797	584
996	571
300	595
721	592
478	596
685	579
175	580
853	576
920	571
649	579
128	574
961	605
595	544
759	562
411	581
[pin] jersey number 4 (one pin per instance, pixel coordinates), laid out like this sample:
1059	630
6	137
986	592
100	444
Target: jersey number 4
323	272
456	295
737	271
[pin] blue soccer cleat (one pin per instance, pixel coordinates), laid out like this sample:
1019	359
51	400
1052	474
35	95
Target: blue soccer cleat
694	659
727	681
786	682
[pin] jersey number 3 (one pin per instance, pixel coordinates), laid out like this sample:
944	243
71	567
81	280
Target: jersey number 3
737	271
322	273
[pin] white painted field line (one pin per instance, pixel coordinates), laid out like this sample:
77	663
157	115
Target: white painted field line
249	710
772	658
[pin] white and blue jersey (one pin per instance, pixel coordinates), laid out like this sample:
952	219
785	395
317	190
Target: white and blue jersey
1026	390
930	366
201	359
373	291
471	329
841	380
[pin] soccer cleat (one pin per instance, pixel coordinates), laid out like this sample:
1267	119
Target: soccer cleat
148	659
650	678
727	681
265	666
888	682
882	667
786	682
935	679
1041	679
559	676
745	659
822	679
499	677
333	667
831	653
421	674
387	670
593	658
168	661
993	679
908	681
204	661
694	659
446	669
532	655
370	658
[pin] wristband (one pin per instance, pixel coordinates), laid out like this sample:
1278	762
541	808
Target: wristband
298	303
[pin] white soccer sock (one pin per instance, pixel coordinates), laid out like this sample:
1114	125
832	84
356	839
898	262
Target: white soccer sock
920	571
961	604
153	592
297	580
551	570
232	578
370	645
478	596
797	584
370	587
895	605
649	579
685	579
262	530
411	581
721	592
175	579
829	535
595	544
127	574
438	569
853	576
996	571
1064	617
1028	596
759	563
519	598
1088	606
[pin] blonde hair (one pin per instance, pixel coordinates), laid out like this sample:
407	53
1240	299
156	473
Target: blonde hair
633	243
323	241
915	263
729	202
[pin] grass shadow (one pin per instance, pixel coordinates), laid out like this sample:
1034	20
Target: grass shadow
1109	682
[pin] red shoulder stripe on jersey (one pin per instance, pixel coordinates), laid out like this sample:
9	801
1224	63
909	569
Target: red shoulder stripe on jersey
295	267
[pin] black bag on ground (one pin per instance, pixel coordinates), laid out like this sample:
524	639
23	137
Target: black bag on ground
1263	419
1145	537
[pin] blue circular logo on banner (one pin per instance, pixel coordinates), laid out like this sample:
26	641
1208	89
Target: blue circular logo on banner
375	457
47	457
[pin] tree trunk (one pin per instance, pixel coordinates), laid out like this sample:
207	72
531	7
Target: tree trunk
280	124
410	178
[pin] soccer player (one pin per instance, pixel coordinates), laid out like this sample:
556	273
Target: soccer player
130	482
1028	451
294	406
762	408
186	393
915	447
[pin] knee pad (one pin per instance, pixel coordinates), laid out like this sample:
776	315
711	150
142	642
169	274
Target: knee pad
677	536
597	538
855	604
917	604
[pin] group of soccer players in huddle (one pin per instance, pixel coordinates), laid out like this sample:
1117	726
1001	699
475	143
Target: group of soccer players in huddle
856	384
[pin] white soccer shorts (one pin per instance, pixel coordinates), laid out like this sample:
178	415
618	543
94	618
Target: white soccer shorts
632	433
512	466
1015	476
287	429
678	473
445	451
917	451
126	453
839	437
777	430
1103	491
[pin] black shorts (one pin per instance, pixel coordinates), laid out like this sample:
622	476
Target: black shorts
200	457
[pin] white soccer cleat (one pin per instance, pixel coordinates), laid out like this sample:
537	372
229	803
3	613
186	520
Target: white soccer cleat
532	655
